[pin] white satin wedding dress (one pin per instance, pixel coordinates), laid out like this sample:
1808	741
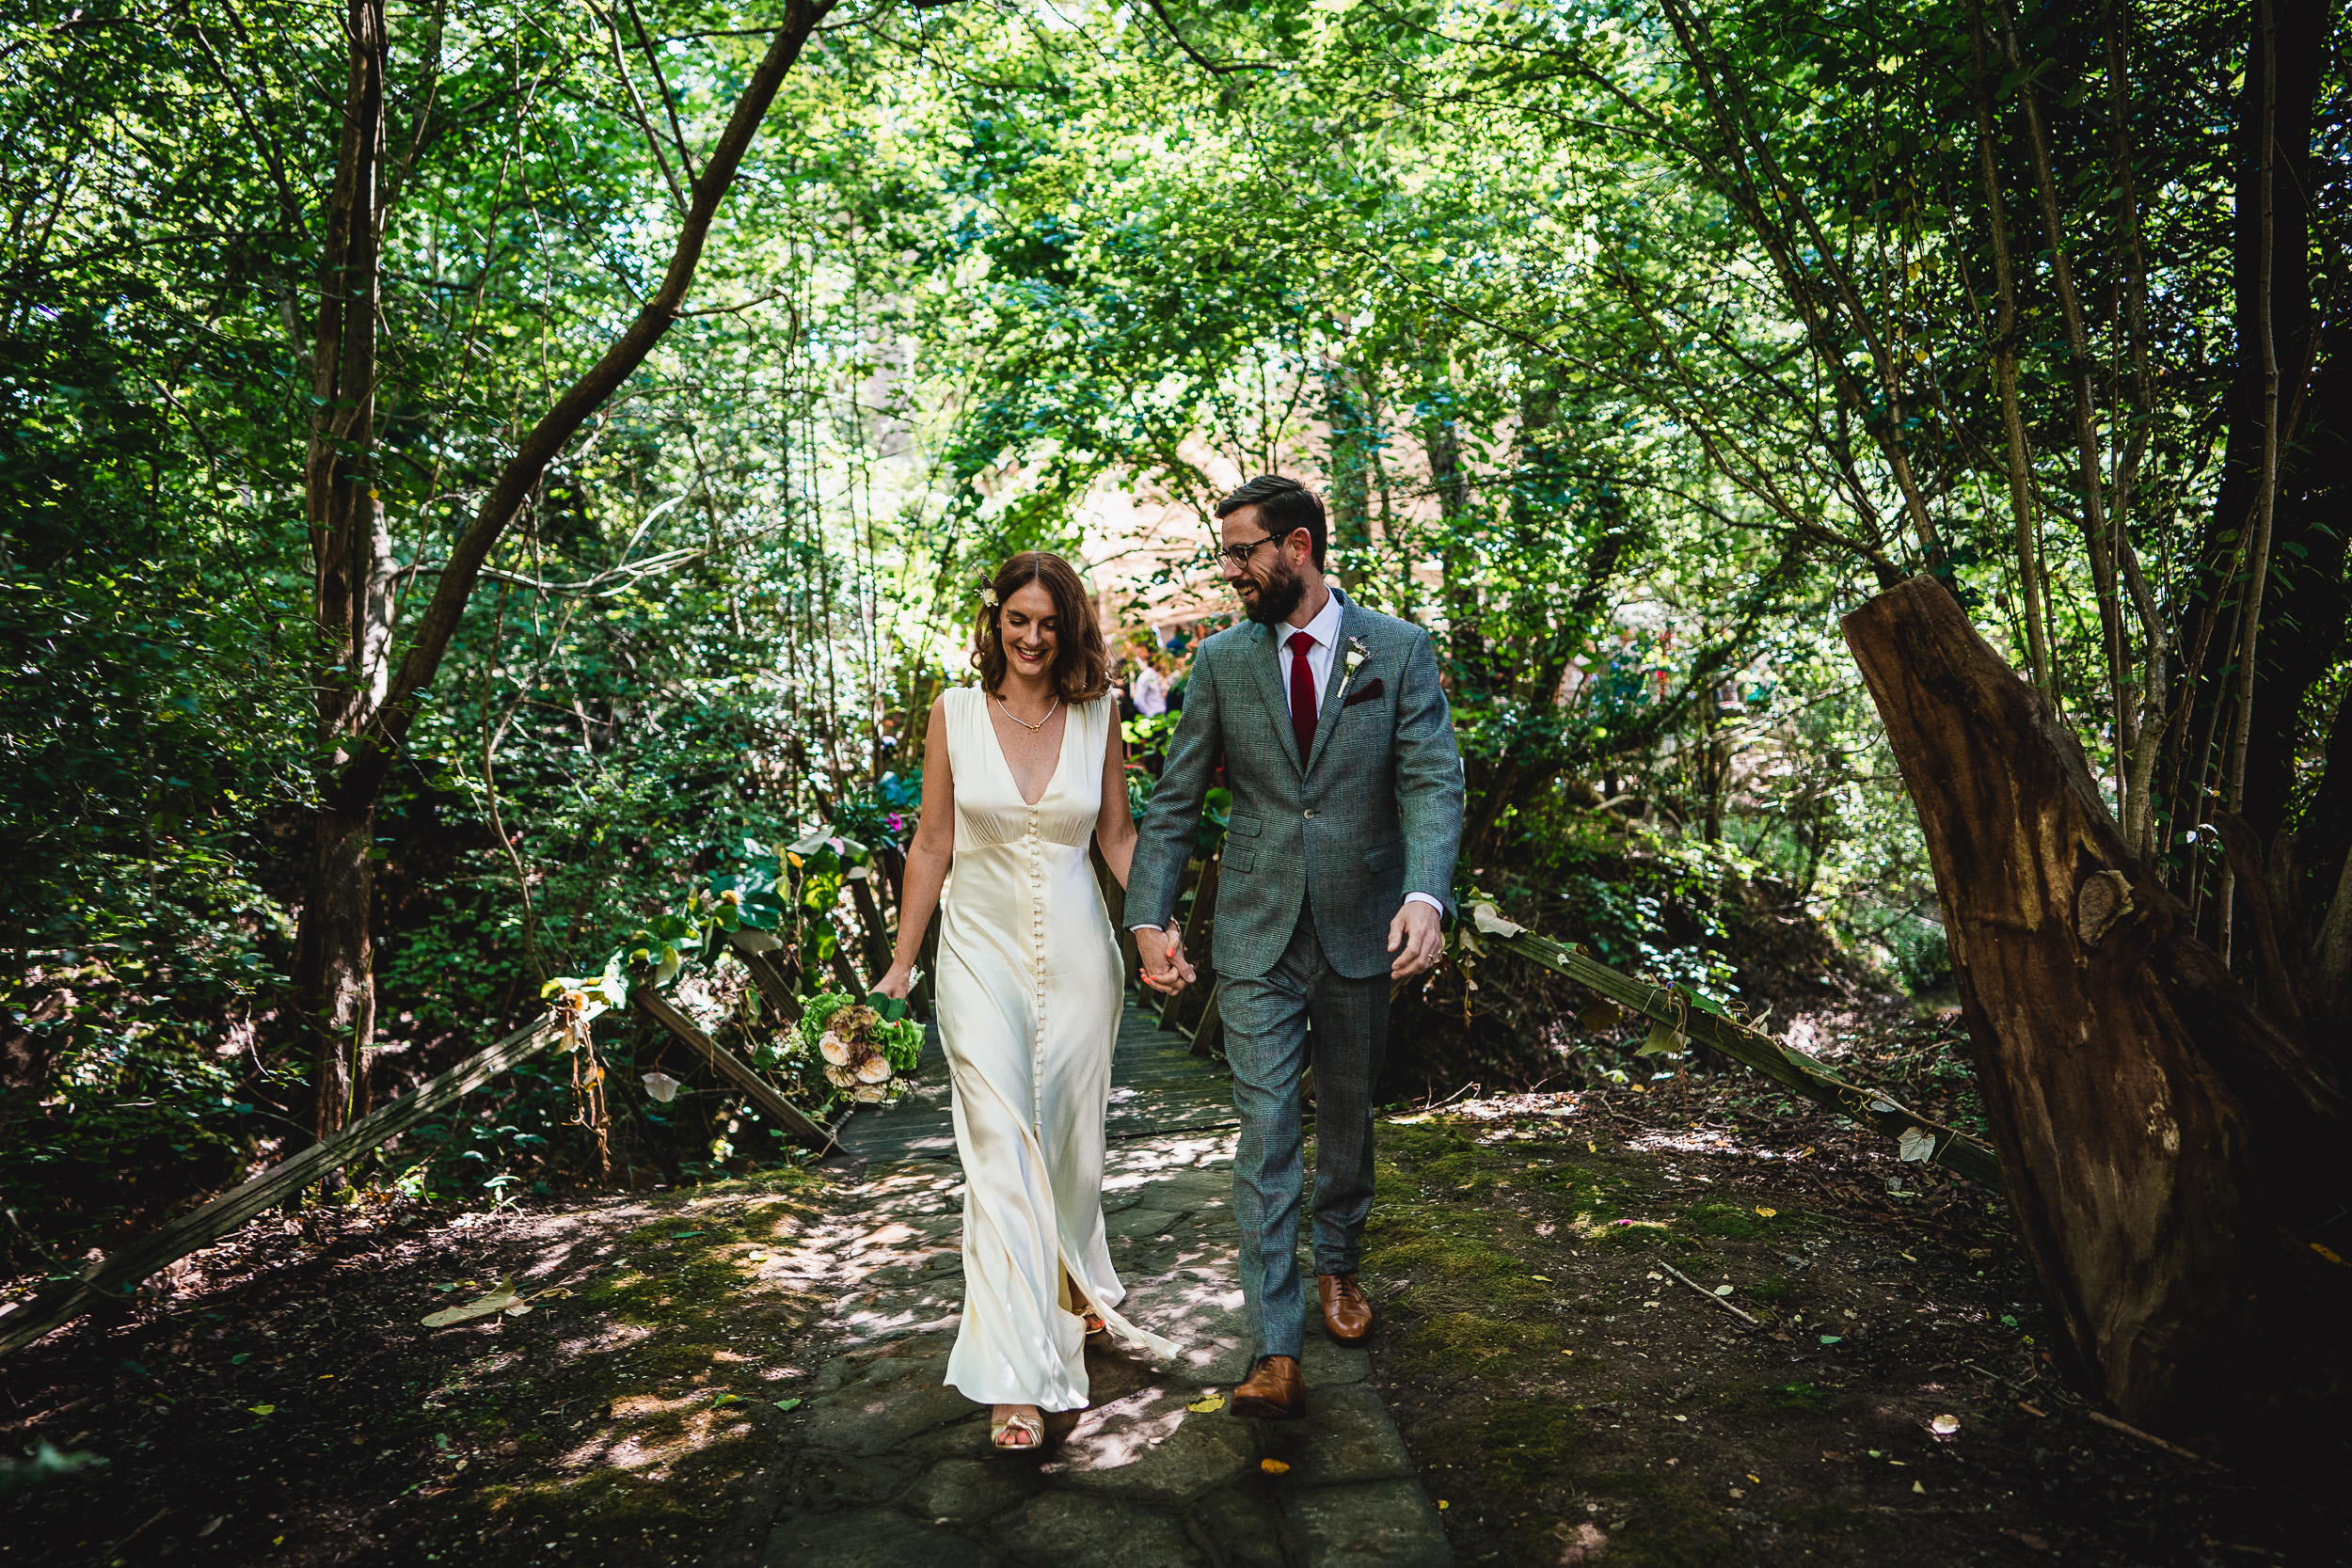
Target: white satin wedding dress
1028	989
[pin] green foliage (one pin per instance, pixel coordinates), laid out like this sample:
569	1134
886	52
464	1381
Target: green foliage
1923	957
1580	394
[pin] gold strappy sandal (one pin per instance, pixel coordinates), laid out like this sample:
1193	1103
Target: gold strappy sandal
1086	1313
1032	1427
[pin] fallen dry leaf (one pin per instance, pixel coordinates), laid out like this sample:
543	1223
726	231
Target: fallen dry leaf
1207	1403
501	1298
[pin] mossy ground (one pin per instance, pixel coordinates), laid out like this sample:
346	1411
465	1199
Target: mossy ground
626	1418
1569	1399
1565	1395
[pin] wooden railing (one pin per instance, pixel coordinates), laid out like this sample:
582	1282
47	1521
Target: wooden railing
114	1276
1684	1013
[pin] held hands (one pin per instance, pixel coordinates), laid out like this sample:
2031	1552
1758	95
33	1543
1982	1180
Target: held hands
1415	939
1165	969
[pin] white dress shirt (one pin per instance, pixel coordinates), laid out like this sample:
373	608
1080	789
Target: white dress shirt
1324	629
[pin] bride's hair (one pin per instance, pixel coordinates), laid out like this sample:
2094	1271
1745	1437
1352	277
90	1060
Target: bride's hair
1081	665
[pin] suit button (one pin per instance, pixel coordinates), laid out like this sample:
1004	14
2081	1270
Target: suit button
1310	814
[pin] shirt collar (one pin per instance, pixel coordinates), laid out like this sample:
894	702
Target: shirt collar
1323	628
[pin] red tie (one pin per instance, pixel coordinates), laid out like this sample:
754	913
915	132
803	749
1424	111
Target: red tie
1302	696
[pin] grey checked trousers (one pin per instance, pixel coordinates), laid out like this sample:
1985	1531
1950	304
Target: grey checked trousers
1267	1045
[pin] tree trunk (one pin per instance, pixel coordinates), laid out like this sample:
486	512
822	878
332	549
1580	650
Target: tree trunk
2170	1152
1349	490
2272	246
350	590
365	705
337	956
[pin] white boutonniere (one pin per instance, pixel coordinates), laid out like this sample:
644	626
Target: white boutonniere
1356	654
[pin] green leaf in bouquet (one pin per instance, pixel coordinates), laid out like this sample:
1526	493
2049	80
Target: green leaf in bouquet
902	1044
817	1012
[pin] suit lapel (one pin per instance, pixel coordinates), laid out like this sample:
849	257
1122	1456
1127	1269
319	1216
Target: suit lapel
1328	716
1265	659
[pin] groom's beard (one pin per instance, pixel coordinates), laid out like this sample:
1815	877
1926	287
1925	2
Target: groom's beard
1275	598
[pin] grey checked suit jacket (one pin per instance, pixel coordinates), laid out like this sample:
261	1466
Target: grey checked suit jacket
1375	814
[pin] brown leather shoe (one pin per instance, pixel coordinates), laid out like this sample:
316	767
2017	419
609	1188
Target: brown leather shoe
1346	1311
1274	1392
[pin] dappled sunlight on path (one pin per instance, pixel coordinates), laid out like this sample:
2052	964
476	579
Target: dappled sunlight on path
885	1465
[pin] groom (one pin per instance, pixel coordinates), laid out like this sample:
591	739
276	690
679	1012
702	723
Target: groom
1339	865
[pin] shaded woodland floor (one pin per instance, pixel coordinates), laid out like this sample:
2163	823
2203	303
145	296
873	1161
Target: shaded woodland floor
1556	1348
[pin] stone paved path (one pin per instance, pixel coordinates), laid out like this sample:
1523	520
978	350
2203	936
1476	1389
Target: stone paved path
891	1469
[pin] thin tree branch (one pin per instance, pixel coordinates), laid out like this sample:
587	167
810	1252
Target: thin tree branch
637	107
669	102
1211	67
439	624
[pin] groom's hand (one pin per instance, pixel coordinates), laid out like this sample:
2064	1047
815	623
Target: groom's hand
1165	968
1415	939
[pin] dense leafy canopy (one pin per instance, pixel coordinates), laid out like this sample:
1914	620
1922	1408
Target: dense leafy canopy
1631	343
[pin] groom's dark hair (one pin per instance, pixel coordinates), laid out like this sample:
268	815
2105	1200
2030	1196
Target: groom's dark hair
1284	506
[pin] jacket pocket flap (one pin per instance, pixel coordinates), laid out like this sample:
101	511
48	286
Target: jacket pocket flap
1382	857
1245	826
1239	856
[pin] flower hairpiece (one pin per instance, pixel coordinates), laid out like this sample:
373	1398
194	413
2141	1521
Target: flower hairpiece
987	595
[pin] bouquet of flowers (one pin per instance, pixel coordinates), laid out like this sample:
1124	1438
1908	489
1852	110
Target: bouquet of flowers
864	1046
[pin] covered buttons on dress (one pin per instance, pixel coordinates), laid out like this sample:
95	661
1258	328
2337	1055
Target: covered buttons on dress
1037	962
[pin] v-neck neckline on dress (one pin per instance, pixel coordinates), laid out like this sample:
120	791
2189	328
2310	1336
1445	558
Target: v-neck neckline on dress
1061	753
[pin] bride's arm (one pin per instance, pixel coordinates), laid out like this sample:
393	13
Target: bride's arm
927	856
1115	828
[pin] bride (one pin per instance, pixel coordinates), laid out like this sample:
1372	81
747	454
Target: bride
1019	773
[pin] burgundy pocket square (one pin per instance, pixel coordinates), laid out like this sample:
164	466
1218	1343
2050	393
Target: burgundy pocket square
1367	694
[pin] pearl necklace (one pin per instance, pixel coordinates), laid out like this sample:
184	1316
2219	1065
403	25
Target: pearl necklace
1024	723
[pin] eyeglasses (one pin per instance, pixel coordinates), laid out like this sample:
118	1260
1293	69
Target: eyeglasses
1239	554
